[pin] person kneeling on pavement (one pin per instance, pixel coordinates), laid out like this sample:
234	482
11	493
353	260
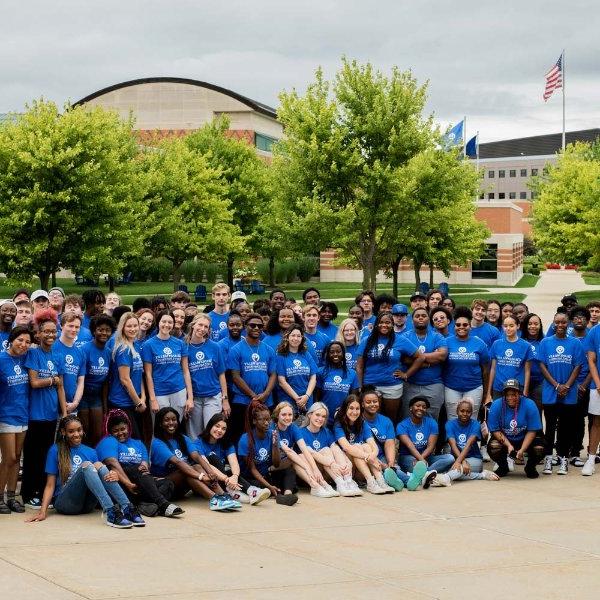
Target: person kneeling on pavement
515	424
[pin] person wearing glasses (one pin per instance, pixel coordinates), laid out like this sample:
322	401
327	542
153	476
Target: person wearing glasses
253	369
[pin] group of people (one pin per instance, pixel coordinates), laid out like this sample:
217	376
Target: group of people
132	408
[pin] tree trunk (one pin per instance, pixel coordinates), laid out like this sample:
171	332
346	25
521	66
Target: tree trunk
431	276
53	278
417	270
272	271
230	260
176	274
111	283
395	268
44	277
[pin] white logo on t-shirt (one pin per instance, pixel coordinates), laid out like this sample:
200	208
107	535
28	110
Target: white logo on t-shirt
337	379
513	424
419	436
297	363
131	450
199	356
285	442
77	460
348	356
167	351
100	362
50	365
422	349
222	325
5	345
380	348
255	357
316	444
508	352
560	349
462	438
17	369
314	344
263	453
68	359
462	349
374	431
178	453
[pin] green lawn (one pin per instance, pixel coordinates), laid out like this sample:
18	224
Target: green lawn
591	278
587	296
528	280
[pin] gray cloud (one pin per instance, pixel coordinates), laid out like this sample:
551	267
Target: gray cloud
484	60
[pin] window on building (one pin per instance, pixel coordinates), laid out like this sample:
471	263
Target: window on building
487	266
523	172
512	173
491	196
534	172
491	174
522	195
501	196
512	195
533	195
501	173
263	142
481	196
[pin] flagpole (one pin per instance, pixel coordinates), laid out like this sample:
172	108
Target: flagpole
564	83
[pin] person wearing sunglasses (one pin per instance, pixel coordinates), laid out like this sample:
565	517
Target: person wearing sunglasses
253	369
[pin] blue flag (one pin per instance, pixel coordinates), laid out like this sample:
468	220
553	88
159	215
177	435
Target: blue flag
455	136
471	149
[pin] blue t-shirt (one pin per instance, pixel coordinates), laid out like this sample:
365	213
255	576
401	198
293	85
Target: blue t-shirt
329	330
536	376
379	367
217	324
316	441
273	340
14	389
83	337
263	458
4	340
510	360
97	365
417	433
165	357
354	437
461	433
43	402
288	437
352	356
226	344
79	455
297	368
318	342
335	386
462	369
432	341
161	453
206	365
131	452
514	424
486	333
255	365
73	366
560	356
592	344
218	449
382	429
124	357
585	365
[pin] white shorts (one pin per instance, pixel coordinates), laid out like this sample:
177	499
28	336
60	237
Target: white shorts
594	406
8	428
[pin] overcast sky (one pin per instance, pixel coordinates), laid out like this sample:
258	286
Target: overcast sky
483	59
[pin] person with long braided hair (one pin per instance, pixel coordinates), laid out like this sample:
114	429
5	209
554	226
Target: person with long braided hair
128	458
77	481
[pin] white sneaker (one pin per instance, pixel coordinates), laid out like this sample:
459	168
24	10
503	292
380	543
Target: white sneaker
484	454
563	469
320	492
547	470
383	485
344	489
490	475
257	495
332	491
589	468
442	480
239	496
511	463
352	485
373	487
428	479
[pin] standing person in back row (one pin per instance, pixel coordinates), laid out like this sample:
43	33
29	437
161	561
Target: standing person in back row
487	333
218	315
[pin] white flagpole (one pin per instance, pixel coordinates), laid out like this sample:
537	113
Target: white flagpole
564	83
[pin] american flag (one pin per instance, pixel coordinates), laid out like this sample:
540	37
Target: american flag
554	78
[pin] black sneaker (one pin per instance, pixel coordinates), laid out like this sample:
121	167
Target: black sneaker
15	505
114	518
148	509
502	470
131	514
4	509
531	471
287	499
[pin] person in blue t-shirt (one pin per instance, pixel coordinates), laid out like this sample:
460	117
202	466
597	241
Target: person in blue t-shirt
207	371
328	311
466	369
253	369
296	370
146	321
511	358
515	425
427	381
463	435
8	314
378	364
335	380
349	335
235	327
174	456
97	368
561	358
487	333
46	404
14	414
279	322
418	435
442	321
166	368
260	456
218	315
73	359
77	481
317	340
355	438
532	331
220	454
128	458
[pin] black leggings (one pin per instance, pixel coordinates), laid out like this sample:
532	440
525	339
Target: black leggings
236	422
284	479
40	436
561	421
157	491
215	461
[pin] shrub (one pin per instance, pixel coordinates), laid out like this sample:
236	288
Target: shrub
212	270
262	268
291	270
307	266
160	269
188	270
280	272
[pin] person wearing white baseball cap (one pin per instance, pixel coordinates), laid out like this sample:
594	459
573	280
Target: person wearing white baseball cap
40	300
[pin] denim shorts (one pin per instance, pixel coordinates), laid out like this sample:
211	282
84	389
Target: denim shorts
90	399
8	428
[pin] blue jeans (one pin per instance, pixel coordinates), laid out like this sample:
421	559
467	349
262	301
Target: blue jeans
440	463
85	489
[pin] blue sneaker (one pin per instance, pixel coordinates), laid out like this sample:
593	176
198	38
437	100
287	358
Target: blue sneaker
393	480
231	503
218	503
114	518
131	514
419	470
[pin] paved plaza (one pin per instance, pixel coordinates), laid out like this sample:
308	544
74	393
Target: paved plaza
515	538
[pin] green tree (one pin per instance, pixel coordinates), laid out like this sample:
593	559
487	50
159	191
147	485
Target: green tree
70	193
344	145
245	177
188	208
566	210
